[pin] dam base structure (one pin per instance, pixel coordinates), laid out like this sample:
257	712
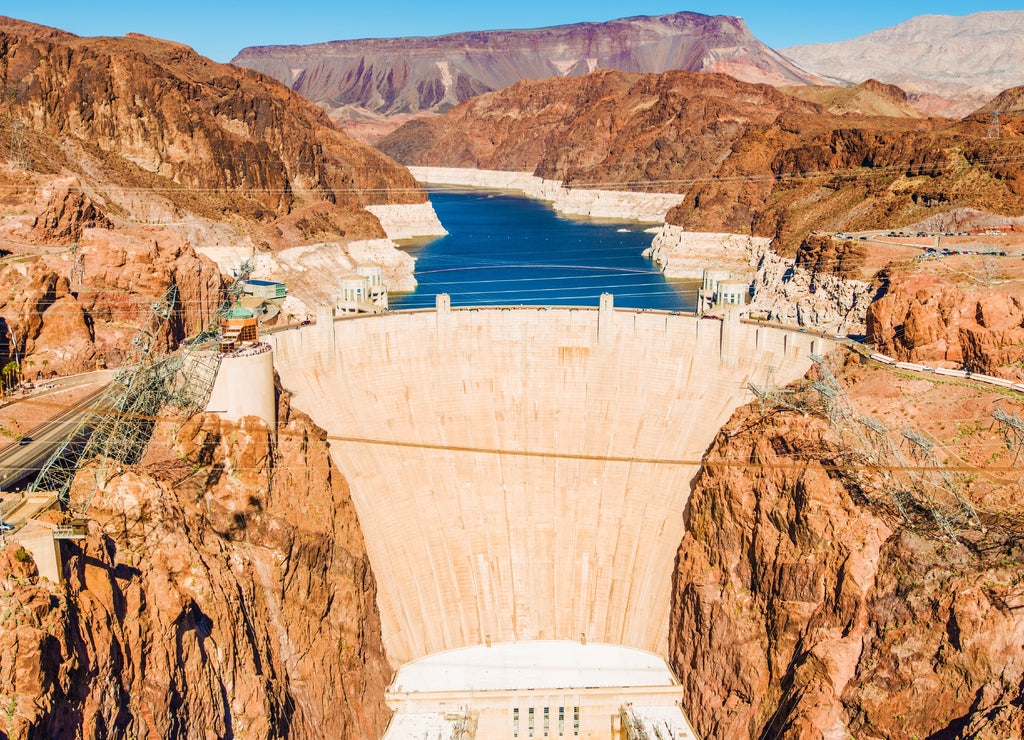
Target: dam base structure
521	474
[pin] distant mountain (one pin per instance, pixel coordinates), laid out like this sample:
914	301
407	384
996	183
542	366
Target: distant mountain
1008	101
411	75
948	65
869	98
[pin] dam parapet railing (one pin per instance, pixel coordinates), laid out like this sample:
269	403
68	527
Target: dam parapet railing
733	339
827	341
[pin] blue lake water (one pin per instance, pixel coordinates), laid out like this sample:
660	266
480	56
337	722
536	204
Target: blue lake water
504	249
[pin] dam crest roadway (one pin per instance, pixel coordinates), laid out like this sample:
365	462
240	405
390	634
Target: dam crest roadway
521	474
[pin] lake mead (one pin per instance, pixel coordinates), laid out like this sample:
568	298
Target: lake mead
505	249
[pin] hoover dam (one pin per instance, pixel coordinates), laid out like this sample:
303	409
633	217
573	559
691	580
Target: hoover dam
521	474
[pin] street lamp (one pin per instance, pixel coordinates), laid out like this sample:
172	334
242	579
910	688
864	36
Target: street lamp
17	358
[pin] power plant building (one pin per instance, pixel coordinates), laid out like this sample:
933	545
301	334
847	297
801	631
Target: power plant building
363	291
268	290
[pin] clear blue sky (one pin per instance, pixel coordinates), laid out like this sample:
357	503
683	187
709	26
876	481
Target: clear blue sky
220	28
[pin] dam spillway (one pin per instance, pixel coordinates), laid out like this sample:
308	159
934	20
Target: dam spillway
521	473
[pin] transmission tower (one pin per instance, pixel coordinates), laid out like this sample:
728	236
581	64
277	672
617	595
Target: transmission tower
938	490
1013	429
77	271
19	148
993	125
882	472
121	423
770	394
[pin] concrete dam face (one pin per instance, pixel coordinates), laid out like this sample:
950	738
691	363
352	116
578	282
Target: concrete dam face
521	474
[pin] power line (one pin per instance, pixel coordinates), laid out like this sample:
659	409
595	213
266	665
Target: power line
739	462
862	171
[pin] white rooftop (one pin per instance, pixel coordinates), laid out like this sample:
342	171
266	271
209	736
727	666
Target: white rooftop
422	725
659	723
537	664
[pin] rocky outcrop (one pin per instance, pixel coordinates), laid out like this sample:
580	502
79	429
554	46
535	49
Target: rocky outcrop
47	209
801	610
949	65
821	287
408	221
87	314
43	328
223	590
402	76
745	159
155	132
119	273
791	293
686	254
923	318
67	212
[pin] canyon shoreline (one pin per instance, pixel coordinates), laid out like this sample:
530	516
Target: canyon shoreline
625	205
303	269
679	253
303	266
408	220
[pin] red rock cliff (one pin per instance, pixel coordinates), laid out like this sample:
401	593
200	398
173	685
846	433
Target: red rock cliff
805	607
963	310
223	591
155	131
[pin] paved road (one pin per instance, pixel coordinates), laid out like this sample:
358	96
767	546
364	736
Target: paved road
20	462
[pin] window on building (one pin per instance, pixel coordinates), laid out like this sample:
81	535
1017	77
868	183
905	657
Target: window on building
530	721
515	722
576	721
547	723
561	721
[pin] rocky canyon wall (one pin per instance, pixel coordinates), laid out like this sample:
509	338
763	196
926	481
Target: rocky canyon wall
71	311
223	590
805	607
974	322
795	292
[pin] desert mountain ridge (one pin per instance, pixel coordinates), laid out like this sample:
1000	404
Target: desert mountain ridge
948	65
868	98
395	77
